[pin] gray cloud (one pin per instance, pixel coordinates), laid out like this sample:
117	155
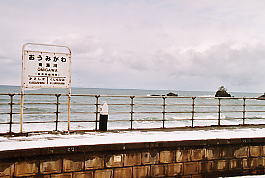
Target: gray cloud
158	44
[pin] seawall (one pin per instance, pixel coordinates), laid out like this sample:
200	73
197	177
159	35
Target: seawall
198	158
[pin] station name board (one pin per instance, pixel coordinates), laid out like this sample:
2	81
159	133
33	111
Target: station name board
46	69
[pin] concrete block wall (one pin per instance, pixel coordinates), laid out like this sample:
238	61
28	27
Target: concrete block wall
168	159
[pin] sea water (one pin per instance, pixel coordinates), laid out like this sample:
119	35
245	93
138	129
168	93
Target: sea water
147	111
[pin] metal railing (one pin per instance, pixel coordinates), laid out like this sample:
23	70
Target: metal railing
48	112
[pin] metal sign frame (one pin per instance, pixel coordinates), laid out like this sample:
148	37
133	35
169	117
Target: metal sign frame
23	84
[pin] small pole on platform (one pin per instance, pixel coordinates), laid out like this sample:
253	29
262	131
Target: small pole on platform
164	111
193	111
244	110
97	111
22	92
11	113
69	110
132	97
219	112
21	110
57	111
103	117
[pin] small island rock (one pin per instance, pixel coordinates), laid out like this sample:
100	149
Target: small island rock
262	97
169	94
172	94
222	92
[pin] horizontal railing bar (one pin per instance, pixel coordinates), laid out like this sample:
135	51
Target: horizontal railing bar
137	96
118	112
205	112
83	112
51	122
202	119
139	112
231	118
81	104
76	104
15	113
249	118
35	103
114	104
179	119
237	105
147	112
144	112
120	120
139	104
33	94
216	105
255	111
179	104
79	121
32	103
224	111
135	120
28	122
208	119
197	105
119	104
254	105
113	112
37	113
207	105
158	120
4	123
36	122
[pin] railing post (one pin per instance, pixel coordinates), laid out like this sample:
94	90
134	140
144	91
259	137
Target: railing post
69	111
219	111
21	111
193	111
164	111
244	110
57	111
11	113
132	104
97	111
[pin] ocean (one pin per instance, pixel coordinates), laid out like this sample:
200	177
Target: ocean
40	110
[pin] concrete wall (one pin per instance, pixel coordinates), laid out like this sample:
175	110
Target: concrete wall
202	158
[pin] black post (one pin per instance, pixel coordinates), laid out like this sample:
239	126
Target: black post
164	111
219	112
244	110
103	118
11	113
103	122
192	112
97	111
132	97
57	111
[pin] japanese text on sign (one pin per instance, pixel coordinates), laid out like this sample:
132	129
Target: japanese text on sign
46	70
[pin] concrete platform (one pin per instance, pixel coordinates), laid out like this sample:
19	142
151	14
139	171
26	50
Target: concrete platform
96	138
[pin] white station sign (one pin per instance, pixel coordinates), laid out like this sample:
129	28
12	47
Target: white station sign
46	69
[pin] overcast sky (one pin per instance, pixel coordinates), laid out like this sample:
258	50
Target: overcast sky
147	44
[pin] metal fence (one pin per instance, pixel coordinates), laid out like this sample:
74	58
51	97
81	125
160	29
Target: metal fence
49	112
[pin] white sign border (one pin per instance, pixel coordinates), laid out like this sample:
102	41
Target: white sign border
22	86
47	45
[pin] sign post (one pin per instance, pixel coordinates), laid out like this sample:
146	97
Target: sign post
45	69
